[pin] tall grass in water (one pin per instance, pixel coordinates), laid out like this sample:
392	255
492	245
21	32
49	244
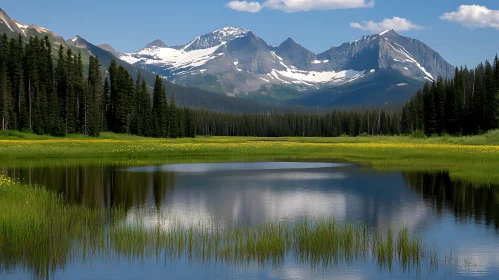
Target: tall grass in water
39	232
319	242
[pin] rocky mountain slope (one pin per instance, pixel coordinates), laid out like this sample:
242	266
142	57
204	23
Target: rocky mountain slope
237	61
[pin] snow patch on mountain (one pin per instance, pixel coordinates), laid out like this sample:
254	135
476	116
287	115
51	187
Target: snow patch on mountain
20	25
409	58
320	77
173	58
384	32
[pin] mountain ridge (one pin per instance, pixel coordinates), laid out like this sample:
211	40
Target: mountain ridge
237	61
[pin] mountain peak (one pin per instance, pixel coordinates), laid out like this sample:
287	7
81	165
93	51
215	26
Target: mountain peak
77	41
216	38
76	38
389	32
157	43
230	31
289	43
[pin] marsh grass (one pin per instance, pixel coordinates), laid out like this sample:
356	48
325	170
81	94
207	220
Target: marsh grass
321	243
38	230
41	233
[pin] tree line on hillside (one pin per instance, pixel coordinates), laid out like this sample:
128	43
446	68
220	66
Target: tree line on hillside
47	96
465	105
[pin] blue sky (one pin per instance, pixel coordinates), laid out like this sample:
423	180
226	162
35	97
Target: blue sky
467	36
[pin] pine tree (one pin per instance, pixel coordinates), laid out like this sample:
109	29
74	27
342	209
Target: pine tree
123	106
113	95
159	109
54	121
174	120
106	109
61	80
496	91
5	95
190	124
439	99
93	100
490	92
450	122
144	99
430	119
478	102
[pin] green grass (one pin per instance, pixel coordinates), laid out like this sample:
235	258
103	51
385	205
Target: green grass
472	159
38	231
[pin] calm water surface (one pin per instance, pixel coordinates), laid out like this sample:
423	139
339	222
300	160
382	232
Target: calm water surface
454	217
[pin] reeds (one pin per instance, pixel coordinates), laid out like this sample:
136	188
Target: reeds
39	232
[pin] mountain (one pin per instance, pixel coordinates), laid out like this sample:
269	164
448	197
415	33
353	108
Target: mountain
376	69
157	43
236	61
184	96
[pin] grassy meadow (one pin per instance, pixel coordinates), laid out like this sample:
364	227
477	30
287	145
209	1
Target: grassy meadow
473	159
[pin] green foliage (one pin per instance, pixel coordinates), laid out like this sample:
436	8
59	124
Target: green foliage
333	124
58	100
465	105
419	134
160	109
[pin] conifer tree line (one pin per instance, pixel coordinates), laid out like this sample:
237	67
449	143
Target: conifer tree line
335	123
54	96
465	105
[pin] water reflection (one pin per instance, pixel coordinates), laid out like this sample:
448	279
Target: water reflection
97	186
465	201
430	203
258	192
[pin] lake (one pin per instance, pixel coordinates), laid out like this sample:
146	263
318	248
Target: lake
458	221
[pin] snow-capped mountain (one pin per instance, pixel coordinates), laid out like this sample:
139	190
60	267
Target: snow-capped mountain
241	62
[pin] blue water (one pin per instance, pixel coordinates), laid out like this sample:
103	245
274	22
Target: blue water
457	219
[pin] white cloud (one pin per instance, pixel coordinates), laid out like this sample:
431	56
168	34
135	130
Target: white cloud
290	6
395	23
244	6
474	16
